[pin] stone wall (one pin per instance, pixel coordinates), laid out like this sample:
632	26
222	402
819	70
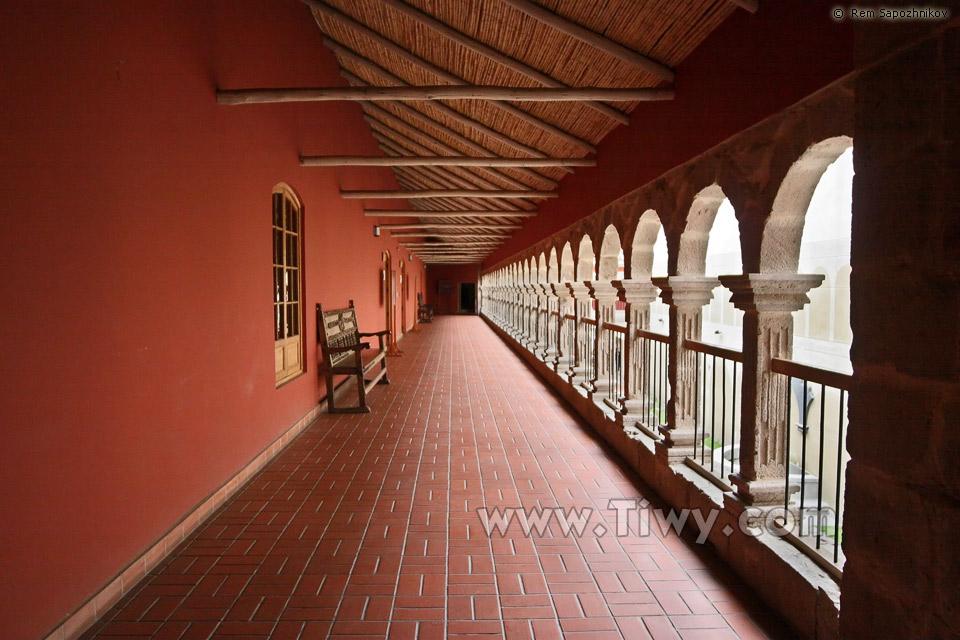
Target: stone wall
903	482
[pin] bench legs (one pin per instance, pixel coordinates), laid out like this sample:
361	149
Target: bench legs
332	393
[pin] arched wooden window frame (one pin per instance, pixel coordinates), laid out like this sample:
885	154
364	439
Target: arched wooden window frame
289	361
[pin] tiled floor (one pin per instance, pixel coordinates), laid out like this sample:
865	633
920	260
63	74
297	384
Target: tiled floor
368	526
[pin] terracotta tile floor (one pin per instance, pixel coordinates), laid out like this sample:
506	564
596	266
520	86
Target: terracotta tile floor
366	525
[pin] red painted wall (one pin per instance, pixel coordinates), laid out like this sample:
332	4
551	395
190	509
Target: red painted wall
448	303
137	353
751	67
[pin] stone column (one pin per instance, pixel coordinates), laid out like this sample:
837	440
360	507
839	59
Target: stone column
606	296
547	329
767	300
515	311
637	294
582	304
523	312
533	316
686	296
564	306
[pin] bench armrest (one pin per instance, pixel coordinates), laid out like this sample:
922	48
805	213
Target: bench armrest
353	347
375	333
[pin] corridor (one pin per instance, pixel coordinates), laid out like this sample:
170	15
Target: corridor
367	525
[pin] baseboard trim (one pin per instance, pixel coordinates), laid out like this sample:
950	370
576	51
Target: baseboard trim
84	616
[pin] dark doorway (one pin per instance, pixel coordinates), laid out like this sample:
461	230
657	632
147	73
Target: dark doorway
468	297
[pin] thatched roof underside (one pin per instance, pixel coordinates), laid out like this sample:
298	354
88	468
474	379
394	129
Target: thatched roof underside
666	31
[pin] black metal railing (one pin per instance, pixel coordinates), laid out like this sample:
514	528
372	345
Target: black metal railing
653	350
612	337
569	344
717	411
586	351
817	456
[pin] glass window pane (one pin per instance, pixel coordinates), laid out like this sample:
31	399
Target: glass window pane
293	253
278	210
294	319
278	322
277	284
294	219
293	292
277	246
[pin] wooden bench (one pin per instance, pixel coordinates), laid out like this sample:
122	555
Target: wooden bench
424	311
344	354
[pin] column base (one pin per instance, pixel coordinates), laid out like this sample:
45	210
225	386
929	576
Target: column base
761	492
677	445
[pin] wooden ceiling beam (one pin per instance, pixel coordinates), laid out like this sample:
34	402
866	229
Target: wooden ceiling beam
749	5
473	235
439	92
441	161
421	137
448	225
449	213
452	176
469	144
593	38
495	55
426	177
441	244
465	248
449	179
444	193
443	74
453	114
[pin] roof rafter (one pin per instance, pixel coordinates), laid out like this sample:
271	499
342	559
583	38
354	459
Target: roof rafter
453	114
413	133
495	55
441	161
443	74
441	176
593	38
444	193
439	92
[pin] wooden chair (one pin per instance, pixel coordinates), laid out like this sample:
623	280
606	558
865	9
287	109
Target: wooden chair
424	311
344	354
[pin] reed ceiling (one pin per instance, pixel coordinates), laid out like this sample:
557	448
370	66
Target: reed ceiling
390	43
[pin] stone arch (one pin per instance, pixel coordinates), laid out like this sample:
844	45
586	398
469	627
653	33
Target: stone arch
610	254
692	255
820	310
542	271
586	261
841	307
553	266
641	258
568	271
783	230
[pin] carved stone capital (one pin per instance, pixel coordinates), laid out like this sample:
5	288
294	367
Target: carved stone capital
686	292
772	292
603	291
561	291
580	291
547	289
636	291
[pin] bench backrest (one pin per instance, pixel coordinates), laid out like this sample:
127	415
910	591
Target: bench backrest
337	328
